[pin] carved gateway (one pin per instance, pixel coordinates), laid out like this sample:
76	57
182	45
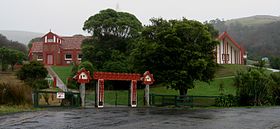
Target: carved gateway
83	77
102	76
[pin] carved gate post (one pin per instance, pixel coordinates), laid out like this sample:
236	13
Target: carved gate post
133	93
100	93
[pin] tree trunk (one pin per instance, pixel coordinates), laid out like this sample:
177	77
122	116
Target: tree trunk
183	92
12	66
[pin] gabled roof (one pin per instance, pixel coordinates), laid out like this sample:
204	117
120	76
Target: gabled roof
51	33
226	35
73	42
36	47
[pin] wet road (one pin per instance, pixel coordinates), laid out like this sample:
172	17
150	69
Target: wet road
145	118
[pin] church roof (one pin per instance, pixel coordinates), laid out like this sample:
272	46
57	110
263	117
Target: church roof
73	42
226	35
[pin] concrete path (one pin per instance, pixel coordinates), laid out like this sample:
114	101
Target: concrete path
59	83
273	70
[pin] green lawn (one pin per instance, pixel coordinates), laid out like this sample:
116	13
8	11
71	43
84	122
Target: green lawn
10	109
63	72
201	88
226	70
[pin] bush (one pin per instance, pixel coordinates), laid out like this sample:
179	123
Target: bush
15	94
226	101
34	75
37	84
275	87
252	87
34	70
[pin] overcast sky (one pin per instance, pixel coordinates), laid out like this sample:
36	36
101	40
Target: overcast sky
66	17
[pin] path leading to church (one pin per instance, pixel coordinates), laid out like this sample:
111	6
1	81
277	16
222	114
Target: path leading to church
59	83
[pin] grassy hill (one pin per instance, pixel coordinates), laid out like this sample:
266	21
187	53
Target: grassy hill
254	20
259	35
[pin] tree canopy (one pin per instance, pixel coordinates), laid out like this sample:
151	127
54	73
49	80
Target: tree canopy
10	57
112	23
112	35
177	52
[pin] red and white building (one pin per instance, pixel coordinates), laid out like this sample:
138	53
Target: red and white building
56	50
229	51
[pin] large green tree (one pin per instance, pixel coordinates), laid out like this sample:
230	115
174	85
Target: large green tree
177	52
112	35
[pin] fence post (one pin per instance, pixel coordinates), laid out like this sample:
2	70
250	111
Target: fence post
36	98
175	101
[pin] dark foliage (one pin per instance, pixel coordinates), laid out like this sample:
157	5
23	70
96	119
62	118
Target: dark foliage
275	87
34	74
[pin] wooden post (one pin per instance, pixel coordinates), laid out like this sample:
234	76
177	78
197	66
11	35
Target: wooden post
82	93
147	98
133	93
100	94
54	82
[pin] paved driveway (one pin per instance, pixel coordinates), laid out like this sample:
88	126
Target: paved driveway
145	118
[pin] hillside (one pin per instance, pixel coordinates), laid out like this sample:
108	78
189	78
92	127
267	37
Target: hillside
259	35
254	20
20	36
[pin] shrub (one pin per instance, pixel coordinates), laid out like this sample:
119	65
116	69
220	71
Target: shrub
275	87
34	74
34	70
226	101
37	84
15	94
252	87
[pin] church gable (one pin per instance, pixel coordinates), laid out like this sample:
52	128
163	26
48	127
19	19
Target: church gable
228	51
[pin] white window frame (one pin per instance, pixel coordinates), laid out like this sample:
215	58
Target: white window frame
67	58
78	56
50	40
39	59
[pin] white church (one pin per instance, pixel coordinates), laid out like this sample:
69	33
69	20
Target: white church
229	51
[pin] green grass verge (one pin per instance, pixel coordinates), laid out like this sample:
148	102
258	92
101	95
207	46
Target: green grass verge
63	72
4	109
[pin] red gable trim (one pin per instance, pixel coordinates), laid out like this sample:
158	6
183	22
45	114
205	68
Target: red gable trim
30	50
51	33
224	35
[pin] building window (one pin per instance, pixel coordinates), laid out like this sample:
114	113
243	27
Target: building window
40	57
68	57
50	40
80	56
225	57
